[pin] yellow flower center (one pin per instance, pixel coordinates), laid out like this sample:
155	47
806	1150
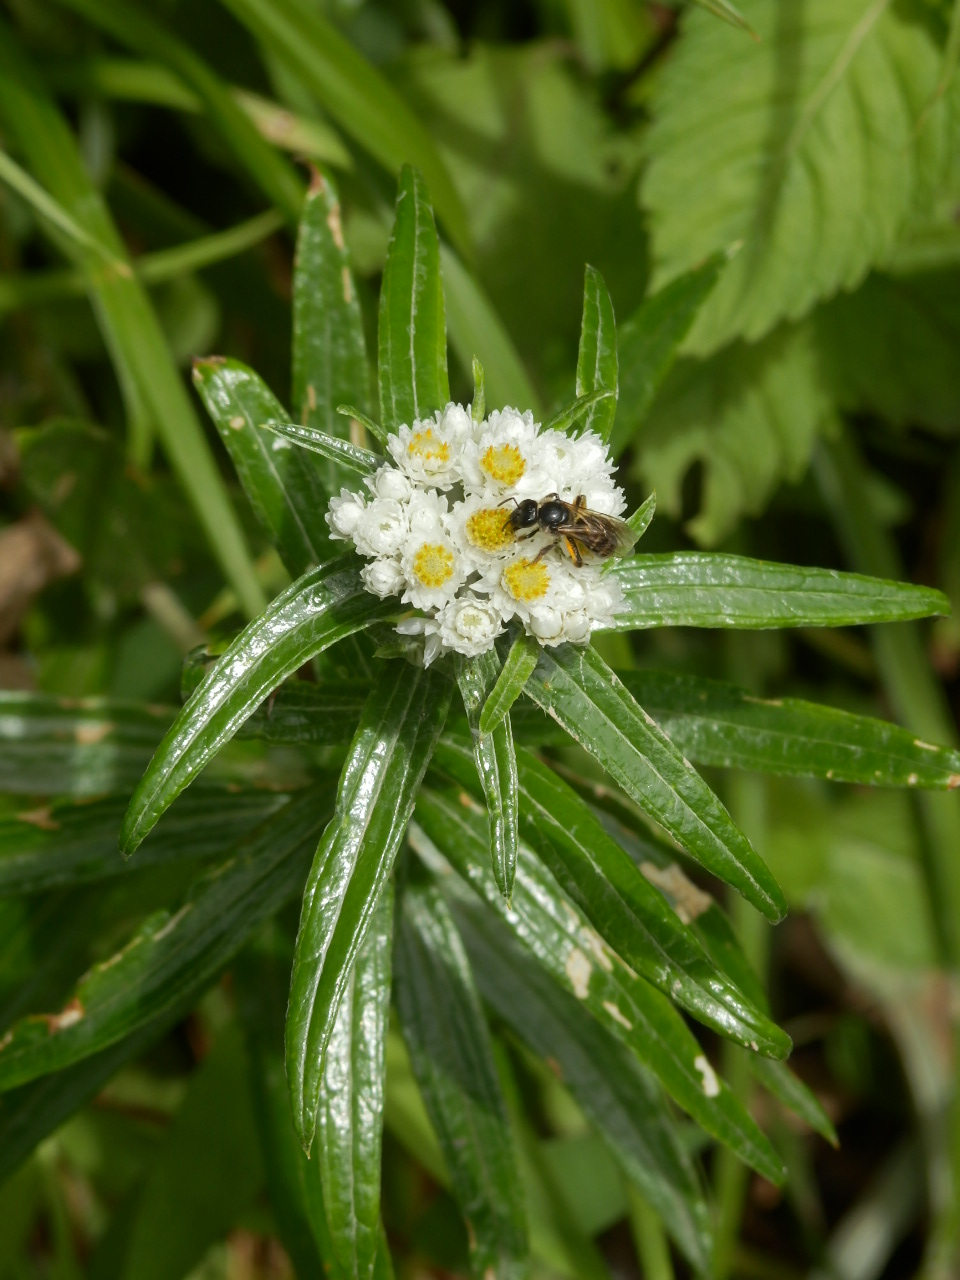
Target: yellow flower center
503	463
425	445
527	579
433	564
489	529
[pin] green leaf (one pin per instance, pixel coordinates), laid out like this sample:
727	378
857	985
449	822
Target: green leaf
617	1094
478	405
827	101
75	746
319	715
70	844
650	339
356	95
452	1059
350	1111
718	724
496	764
475	326
347	457
369	425
580	408
795	1095
285	489
518	665
707	589
639	522
329	351
52	211
386	761
174	950
313	613
449	833
625	909
412	360
578	689
138	29
597	368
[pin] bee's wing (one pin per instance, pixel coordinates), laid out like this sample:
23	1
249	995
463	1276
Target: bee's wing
625	536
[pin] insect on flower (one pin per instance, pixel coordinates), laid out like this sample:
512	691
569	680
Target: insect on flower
573	523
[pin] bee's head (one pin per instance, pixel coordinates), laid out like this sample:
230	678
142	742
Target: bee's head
524	516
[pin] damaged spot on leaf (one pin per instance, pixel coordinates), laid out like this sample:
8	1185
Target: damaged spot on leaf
578	969
688	901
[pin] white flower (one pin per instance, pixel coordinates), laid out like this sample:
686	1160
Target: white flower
581	465
469	625
429	451
388	482
482	530
433	569
343	514
382	528
505	457
429	628
383	577
426	513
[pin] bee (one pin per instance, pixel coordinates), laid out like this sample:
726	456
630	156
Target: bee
573	524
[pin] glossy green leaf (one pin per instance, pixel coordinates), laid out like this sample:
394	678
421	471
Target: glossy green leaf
475	328
496	764
356	95
69	843
449	1046
75	746
708	589
139	29
174	949
579	409
350	1111
795	1096
518	665
625	909
718	724
386	761
319	715
372	428
648	343
597	365
412	333
578	689
639	522
449	833
329	351
349	458
285	488
313	613
617	1094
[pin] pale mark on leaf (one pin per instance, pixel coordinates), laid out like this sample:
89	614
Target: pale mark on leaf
616	1015
688	901
711	1085
578	969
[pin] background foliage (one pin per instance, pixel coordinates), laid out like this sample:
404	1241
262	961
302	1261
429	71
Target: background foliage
796	172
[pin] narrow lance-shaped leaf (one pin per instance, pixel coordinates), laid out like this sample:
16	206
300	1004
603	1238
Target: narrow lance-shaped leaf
639	522
649	341
597	365
478	405
718	724
452	1059
625	909
518	665
285	488
391	749
329	352
709	589
412	350
579	690
564	418
313	613
618	1095
174	950
347	457
496	764
449	833
350	1112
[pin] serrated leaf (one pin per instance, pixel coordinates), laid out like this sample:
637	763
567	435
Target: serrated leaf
496	764
718	724
350	459
816	168
750	415
69	844
329	352
707	589
174	949
412	331
597	365
625	909
313	613
390	751
617	1094
449	833
285	488
449	1046
350	1111
578	689
520	661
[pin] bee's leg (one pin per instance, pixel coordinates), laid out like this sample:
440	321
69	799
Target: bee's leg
573	551
543	551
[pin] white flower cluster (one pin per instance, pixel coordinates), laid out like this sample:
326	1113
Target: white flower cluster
437	530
